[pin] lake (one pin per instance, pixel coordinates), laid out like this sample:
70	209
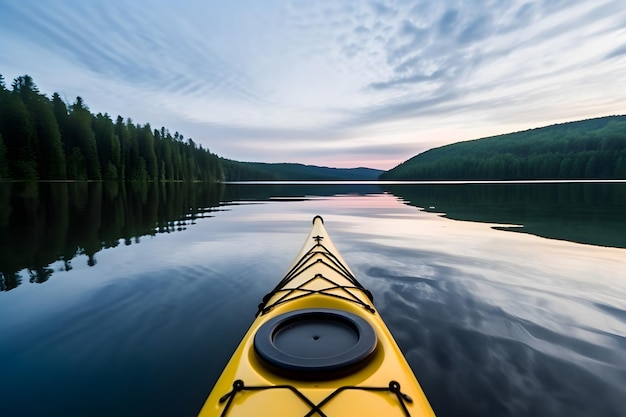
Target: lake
127	300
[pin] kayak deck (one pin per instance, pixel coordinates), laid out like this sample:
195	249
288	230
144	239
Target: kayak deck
318	347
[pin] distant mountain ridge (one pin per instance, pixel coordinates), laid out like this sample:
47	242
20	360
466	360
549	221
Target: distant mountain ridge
260	171
586	149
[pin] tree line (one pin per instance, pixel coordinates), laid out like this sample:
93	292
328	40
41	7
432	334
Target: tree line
261	171
587	149
47	139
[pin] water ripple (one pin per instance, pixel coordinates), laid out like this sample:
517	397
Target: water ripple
492	362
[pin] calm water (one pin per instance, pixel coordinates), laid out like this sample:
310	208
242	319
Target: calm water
508	300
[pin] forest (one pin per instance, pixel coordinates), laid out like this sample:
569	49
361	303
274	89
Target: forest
260	171
47	139
587	149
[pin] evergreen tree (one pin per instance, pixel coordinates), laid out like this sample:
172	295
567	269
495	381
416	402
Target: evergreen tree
4	167
577	150
135	168
124	148
81	136
145	141
190	153
168	154
108	146
620	169
24	86
17	130
116	157
48	149
76	165
42	138
59	108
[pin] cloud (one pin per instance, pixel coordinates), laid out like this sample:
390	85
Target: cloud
617	52
252	76
412	79
448	23
381	9
416	108
134	44
524	15
476	30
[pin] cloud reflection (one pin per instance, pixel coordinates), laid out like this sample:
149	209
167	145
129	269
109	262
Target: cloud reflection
475	358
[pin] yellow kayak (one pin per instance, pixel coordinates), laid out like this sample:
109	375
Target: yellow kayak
318	347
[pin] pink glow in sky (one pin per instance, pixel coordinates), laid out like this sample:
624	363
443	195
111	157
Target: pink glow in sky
334	83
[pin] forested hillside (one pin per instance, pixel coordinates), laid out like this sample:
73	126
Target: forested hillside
259	171
588	149
46	139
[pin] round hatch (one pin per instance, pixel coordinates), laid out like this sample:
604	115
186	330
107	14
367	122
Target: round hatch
315	343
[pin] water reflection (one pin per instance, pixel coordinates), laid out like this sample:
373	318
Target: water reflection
493	323
41	224
264	192
485	338
591	213
44	223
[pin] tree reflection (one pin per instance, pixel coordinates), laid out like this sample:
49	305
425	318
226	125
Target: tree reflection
48	222
41	223
590	213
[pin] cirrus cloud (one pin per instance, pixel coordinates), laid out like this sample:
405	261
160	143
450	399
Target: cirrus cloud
322	82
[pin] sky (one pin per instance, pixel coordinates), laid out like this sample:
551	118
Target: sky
333	83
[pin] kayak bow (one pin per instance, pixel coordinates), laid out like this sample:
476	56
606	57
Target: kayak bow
318	347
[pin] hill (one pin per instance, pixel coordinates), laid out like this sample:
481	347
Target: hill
586	149
45	138
259	171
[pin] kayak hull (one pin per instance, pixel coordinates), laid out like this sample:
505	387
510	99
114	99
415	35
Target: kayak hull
321	306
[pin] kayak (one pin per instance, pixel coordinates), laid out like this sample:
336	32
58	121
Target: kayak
317	347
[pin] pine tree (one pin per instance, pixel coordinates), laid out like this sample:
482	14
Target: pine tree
48	149
42	138
60	114
620	168
135	169
4	167
108	144
18	133
146	151
124	147
82	137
